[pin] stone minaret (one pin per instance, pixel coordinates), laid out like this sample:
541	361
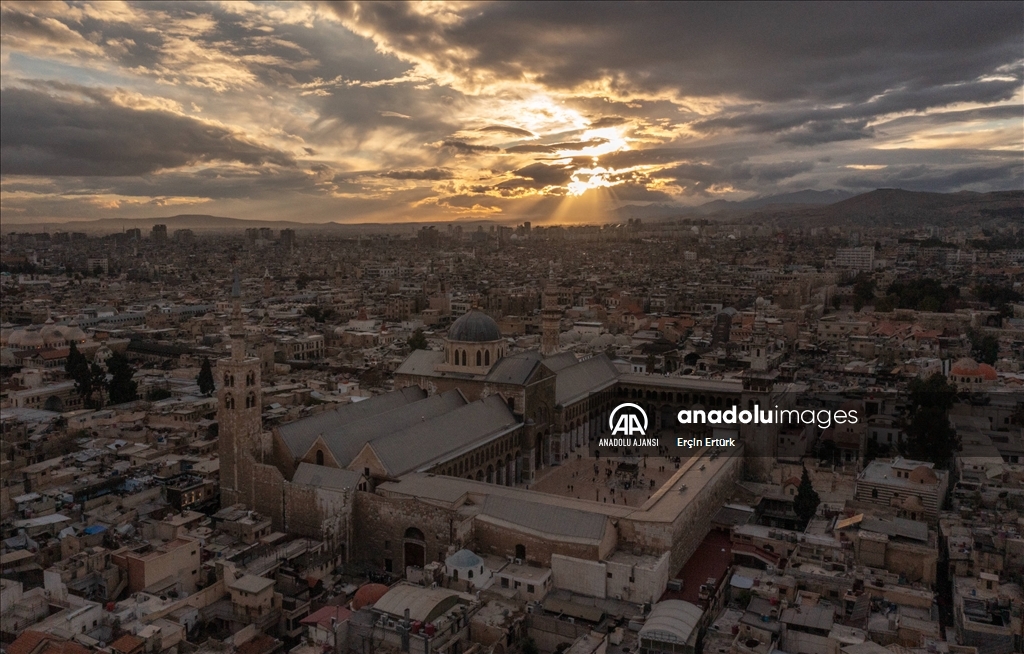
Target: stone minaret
759	341
239	421
551	319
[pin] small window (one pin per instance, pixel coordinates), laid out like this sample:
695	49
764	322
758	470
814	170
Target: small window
388	566
470	575
874	493
530	588
387	544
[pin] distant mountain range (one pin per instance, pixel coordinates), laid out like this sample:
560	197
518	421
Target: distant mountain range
881	207
797	198
875	208
896	207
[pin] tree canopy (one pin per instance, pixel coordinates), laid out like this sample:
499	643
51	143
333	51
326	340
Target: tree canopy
930	437
806	502
418	341
205	378
121	387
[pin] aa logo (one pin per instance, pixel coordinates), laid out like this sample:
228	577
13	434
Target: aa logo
628	420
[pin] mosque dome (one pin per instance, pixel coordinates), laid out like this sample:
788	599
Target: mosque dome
74	333
964	367
51	333
26	338
474	327
464	559
368	595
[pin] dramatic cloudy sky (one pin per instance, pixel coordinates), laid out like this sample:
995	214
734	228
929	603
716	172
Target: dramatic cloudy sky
440	111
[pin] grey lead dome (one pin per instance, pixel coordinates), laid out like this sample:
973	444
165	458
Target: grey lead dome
474	327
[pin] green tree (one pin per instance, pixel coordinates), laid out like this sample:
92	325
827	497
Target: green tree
98	381
930	437
205	378
863	289
806	502
157	394
418	341
984	348
929	434
121	387
77	368
934	392
885	304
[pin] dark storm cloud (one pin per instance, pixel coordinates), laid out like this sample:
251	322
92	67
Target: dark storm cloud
514	131
837	52
827	131
462	147
924	177
530	148
41	30
607	121
43	134
811	125
429	174
214	182
741	175
539	175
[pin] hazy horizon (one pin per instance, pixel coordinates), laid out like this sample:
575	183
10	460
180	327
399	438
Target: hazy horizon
436	112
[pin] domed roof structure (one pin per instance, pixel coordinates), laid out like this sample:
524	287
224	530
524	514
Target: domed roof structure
964	366
464	559
474	327
51	333
26	338
74	333
367	595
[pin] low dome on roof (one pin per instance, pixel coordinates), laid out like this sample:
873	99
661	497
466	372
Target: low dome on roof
604	340
964	366
474	327
74	333
368	595
26	338
464	559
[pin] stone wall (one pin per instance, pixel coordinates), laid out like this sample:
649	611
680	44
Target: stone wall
490	538
381	524
685	532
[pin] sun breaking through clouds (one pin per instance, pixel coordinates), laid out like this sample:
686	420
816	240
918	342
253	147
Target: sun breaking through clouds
442	111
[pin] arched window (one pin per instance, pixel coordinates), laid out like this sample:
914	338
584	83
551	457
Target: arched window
319	457
478	359
228	380
487	358
463	357
229	401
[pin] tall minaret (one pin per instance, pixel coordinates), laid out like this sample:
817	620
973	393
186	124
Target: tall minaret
550	318
759	339
239	420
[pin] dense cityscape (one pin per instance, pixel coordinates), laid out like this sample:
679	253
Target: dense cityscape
289	440
465	327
